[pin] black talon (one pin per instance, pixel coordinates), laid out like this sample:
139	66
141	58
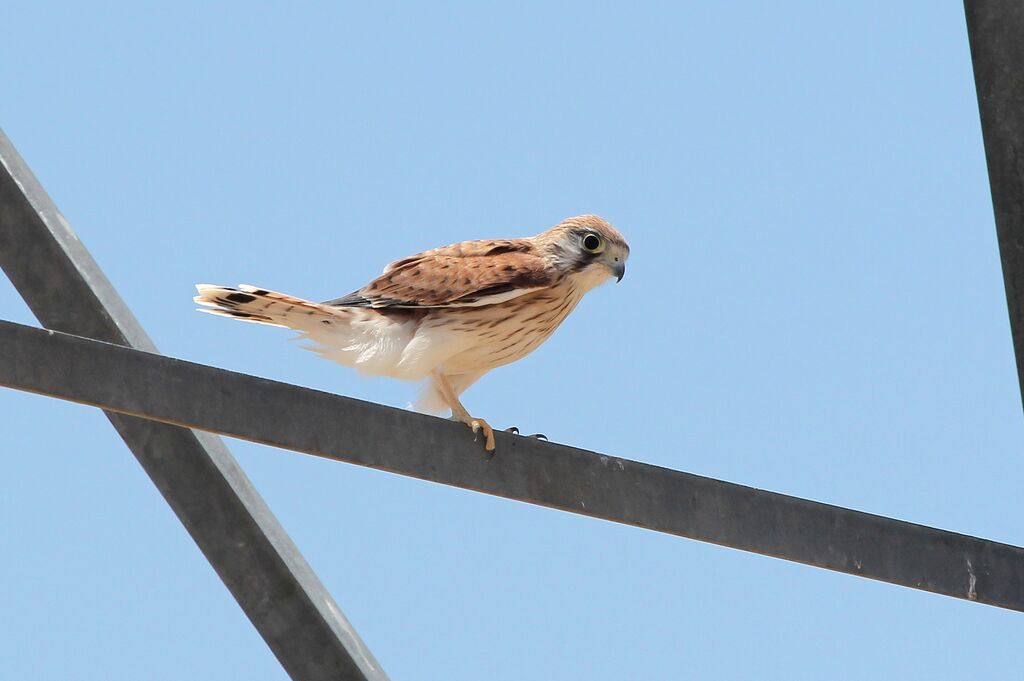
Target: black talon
536	436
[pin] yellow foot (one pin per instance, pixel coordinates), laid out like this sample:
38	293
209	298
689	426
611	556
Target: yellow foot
480	425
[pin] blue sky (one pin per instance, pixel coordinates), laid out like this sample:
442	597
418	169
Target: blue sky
813	305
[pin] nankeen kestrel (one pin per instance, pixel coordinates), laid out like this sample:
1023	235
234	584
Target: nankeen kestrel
450	314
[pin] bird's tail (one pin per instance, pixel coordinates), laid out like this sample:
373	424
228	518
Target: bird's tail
251	304
356	337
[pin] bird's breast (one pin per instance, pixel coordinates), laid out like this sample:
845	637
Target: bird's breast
496	335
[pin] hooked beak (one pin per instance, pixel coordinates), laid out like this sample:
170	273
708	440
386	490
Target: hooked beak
618	269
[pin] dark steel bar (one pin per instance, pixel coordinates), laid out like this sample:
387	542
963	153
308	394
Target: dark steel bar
996	32
525	469
194	471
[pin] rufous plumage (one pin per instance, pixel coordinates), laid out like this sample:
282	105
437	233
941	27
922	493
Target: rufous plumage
448	315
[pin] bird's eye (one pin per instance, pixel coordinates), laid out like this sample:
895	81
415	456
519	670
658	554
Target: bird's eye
593	243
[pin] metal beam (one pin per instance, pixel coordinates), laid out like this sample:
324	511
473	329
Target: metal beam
996	32
344	429
194	471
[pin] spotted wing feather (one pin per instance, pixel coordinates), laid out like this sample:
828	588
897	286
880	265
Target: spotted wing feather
467	274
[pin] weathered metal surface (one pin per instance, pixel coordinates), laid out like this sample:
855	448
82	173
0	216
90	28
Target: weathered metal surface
344	429
996	31
194	471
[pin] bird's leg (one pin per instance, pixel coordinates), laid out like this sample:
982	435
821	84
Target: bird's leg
460	414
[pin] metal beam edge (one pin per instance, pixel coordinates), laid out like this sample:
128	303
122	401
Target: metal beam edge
194	471
524	469
995	29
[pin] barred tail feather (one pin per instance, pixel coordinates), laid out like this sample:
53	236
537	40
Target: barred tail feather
361	338
251	304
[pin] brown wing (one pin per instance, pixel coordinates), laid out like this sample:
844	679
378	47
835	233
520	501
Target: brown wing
470	273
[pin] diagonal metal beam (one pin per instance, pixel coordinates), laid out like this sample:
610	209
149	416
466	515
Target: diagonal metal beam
194	471
340	428
996	32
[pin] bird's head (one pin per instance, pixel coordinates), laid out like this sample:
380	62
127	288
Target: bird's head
587	246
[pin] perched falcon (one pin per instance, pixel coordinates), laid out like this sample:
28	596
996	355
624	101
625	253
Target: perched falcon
450	314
